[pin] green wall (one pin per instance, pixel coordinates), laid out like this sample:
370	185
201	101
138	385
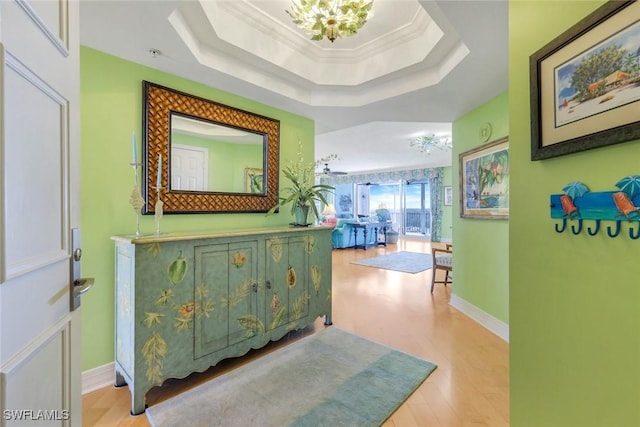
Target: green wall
574	299
481	246
111	97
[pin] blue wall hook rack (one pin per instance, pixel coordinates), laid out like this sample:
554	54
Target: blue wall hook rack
577	204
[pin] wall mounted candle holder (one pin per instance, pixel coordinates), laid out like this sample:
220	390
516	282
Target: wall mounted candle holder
578	204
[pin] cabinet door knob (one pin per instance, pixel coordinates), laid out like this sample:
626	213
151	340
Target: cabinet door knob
254	287
268	284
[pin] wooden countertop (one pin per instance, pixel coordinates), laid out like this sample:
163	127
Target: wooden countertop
204	234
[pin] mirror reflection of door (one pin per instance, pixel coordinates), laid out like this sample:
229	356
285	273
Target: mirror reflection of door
189	168
231	151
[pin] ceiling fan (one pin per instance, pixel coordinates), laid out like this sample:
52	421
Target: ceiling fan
328	172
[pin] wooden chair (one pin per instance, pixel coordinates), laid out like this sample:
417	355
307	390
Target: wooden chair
442	260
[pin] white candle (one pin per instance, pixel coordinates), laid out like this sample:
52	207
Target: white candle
159	180
134	152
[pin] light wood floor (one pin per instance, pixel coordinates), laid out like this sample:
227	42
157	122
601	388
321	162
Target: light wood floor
470	387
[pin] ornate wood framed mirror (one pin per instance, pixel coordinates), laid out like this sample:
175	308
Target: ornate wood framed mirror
206	157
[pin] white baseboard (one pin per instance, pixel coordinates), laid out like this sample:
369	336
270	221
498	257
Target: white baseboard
493	324
104	375
99	377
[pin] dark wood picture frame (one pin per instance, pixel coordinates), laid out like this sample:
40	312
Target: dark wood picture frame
553	134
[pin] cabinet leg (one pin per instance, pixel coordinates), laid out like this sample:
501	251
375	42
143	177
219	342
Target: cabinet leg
137	402
120	381
327	320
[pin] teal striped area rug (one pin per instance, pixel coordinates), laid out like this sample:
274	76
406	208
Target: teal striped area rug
407	262
331	378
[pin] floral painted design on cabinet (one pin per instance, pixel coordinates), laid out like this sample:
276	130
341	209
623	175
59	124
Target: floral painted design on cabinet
239	259
177	269
184	305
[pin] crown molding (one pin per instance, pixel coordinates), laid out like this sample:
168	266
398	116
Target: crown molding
262	39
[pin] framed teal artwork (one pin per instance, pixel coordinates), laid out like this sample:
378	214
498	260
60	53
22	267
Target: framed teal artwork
484	181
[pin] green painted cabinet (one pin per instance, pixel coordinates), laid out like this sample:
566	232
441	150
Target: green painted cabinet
185	302
235	288
287	282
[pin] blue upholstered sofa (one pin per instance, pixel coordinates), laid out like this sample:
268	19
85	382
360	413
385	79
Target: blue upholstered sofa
343	234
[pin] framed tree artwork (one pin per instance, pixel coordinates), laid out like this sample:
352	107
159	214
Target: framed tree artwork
585	84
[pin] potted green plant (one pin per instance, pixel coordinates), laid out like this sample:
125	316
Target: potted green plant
302	193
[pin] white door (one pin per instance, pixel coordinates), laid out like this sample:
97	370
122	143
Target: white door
189	168
39	181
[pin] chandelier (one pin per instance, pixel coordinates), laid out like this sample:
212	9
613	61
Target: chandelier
429	142
330	18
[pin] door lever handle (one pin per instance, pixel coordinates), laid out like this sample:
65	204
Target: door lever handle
82	285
